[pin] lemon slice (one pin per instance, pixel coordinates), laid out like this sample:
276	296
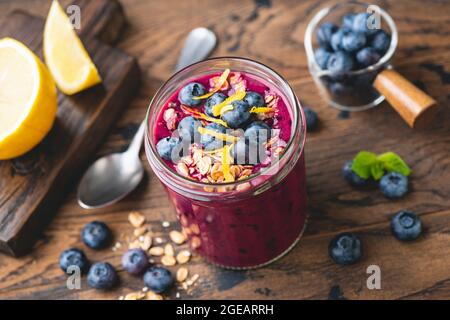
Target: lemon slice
65	55
28	99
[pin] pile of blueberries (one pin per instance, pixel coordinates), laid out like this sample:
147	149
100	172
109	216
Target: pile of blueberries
352	46
102	275
237	118
346	248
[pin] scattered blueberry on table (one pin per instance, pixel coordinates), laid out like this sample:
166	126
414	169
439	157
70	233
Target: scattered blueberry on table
311	118
135	261
102	275
96	235
406	225
345	249
351	177
73	257
158	279
394	185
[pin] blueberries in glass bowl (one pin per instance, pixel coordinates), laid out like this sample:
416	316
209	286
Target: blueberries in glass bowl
350	46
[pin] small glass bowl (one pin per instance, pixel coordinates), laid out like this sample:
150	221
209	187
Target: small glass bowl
352	90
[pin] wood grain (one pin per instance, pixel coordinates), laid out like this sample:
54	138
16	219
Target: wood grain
34	184
274	35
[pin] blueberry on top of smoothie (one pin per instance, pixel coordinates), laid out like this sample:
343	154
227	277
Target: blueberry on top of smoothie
254	99
340	61
189	91
258	131
324	34
102	275
345	248
247	151
238	116
96	235
322	55
380	41
188	128
158	279
406	225
206	139
215	99
73	257
353	41
165	147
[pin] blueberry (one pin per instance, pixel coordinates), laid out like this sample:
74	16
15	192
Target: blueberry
189	91
135	261
351	176
216	144
102	276
345	248
188	128
96	235
215	99
247	151
347	20
238	116
380	41
258	131
406	225
367	56
158	279
311	118
336	39
254	99
322	56
206	139
73	257
324	33
340	62
360	24
165	147
353	41
339	89
394	185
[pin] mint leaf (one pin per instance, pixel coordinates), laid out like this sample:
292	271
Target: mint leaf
393	163
377	170
363	163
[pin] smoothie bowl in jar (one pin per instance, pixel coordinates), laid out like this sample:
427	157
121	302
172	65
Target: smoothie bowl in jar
226	138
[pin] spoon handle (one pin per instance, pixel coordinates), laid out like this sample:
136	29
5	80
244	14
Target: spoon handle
136	143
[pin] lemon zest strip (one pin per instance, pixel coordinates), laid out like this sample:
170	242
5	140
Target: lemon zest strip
223	78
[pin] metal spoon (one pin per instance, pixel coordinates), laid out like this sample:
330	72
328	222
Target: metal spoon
111	178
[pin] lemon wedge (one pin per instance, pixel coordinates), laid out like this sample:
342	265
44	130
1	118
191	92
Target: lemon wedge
28	100
65	55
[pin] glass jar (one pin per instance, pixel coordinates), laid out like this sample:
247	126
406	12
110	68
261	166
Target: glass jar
247	223
353	90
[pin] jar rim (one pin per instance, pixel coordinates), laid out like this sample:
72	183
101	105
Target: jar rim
317	18
299	124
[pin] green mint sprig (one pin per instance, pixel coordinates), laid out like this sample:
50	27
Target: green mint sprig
367	164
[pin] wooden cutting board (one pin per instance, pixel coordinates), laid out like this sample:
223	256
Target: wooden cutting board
32	186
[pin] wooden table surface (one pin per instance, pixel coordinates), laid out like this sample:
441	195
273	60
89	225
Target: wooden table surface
272	32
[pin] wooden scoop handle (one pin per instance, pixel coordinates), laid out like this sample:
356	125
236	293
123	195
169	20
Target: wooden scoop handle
414	106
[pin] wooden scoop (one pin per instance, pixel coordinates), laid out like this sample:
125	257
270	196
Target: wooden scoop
414	106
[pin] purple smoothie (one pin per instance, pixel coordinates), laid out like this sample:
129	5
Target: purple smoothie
243	227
